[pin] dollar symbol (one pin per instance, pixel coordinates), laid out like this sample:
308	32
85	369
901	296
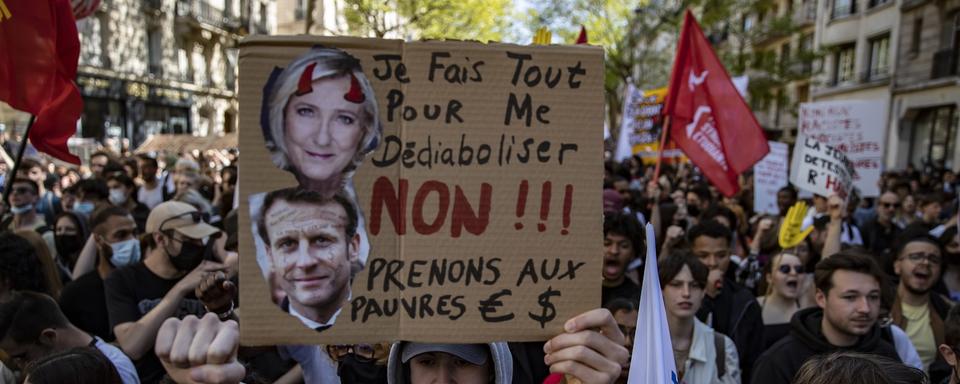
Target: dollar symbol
549	311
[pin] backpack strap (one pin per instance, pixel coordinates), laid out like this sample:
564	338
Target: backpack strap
721	354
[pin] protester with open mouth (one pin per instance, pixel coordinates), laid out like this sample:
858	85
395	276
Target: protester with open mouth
702	355
917	309
782	276
848	305
621	245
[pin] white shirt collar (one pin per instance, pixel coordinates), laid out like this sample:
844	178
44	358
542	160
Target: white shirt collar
313	324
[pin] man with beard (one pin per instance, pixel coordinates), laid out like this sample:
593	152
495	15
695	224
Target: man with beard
880	231
142	295
848	304
916	309
83	300
727	307
622	244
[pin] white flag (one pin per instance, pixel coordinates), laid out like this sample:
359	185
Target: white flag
652	360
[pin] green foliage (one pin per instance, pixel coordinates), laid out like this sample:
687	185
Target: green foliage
482	20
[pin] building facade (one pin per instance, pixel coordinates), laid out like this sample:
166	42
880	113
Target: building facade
926	86
164	66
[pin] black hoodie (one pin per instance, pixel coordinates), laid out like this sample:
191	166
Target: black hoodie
782	361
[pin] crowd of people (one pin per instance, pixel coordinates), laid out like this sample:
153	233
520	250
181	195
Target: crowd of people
870	279
125	270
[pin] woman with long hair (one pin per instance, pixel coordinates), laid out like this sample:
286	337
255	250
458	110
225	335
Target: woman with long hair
782	283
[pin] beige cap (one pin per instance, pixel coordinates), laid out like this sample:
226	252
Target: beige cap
176	215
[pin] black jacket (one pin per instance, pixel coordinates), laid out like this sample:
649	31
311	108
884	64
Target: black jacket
736	313
781	362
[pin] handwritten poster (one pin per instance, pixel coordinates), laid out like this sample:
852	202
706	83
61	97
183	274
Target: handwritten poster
820	168
854	127
428	191
769	175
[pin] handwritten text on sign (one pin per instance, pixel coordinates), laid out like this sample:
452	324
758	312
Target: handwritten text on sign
820	168
854	127
479	202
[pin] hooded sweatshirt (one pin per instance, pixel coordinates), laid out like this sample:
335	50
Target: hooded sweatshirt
782	361
500	357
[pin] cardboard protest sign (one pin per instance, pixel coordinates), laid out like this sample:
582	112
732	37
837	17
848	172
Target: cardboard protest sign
769	175
820	168
856	128
472	172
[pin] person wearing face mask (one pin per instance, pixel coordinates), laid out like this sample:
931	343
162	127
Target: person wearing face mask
24	195
90	194
122	189
83	300
142	295
69	233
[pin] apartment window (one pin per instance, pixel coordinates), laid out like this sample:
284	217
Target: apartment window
154	50
916	34
879	57
747	23
843	8
933	135
803	93
300	12
874	3
784	56
843	64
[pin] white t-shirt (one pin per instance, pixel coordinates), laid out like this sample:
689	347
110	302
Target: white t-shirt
150	197
123	364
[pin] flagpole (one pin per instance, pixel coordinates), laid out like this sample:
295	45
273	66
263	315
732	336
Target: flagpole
663	144
12	175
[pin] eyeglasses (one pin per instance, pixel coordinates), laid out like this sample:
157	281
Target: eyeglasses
890	205
920	256
363	352
21	190
195	216
785	269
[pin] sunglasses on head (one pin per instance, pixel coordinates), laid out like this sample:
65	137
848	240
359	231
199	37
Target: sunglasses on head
785	269
195	216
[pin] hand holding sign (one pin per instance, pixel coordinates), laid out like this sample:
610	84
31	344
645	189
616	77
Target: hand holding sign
791	230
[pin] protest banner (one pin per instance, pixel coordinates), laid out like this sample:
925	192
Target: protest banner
769	175
641	125
856	128
476	217
820	168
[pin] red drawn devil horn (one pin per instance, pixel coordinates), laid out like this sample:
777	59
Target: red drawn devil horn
355	95
304	86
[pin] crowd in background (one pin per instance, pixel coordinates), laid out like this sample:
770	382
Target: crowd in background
96	260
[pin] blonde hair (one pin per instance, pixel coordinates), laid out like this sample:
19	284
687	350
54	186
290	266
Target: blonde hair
330	63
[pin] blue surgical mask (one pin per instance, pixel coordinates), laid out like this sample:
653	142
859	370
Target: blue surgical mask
21	209
83	207
125	253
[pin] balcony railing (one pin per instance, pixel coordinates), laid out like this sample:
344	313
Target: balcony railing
806	14
204	12
944	64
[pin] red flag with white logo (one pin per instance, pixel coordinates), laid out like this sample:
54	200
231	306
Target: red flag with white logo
710	121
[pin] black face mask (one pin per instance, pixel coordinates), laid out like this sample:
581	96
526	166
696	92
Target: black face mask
952	258
351	370
67	245
693	211
191	255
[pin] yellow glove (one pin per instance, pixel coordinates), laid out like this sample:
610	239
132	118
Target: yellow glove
542	37
791	234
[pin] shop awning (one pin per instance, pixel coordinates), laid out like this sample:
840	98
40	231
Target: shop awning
172	143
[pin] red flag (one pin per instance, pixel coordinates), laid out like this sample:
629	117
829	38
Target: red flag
40	48
582	38
710	121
